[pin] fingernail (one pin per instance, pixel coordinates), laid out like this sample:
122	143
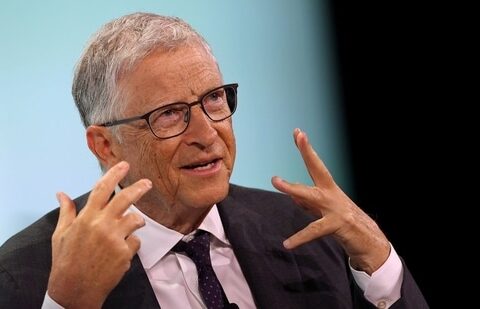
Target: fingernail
286	244
123	165
148	183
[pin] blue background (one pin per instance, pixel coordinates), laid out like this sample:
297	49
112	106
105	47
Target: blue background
279	52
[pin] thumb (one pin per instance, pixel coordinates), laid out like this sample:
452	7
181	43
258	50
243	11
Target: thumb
67	212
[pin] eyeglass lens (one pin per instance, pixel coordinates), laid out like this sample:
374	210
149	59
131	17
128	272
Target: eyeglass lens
173	119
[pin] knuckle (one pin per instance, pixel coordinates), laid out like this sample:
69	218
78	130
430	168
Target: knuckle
110	238
316	193
135	240
129	194
314	228
97	227
139	221
134	243
349	218
135	220
126	265
100	186
56	237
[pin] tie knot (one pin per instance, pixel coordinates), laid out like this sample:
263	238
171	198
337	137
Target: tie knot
197	249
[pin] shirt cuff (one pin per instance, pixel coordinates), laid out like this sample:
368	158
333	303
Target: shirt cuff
383	287
49	303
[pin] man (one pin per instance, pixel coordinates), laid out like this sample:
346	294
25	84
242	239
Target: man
158	118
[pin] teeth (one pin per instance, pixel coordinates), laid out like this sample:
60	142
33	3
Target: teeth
204	167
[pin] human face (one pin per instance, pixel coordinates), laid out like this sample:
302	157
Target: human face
191	170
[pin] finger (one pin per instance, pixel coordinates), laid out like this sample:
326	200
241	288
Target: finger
315	166
286	187
298	190
130	223
67	212
314	230
104	188
128	196
309	198
133	242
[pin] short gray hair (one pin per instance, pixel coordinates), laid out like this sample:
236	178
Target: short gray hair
113	51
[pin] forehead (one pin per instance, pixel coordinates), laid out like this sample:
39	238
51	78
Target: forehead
167	76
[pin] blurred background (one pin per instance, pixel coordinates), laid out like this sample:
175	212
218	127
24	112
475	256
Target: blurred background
350	75
280	53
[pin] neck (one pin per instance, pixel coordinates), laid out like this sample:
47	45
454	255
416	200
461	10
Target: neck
174	216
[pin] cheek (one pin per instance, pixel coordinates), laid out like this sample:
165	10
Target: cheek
158	165
148	158
154	158
139	151
145	154
232	148
228	137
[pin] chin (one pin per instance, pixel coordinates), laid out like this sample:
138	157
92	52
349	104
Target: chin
208	195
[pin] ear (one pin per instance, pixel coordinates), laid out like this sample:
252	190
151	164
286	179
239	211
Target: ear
103	145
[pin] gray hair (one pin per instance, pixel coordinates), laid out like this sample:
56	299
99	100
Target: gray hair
113	51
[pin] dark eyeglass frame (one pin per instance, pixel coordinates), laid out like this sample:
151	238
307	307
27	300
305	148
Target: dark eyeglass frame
146	116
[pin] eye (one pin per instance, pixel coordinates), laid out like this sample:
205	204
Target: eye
169	113
214	99
213	96
168	116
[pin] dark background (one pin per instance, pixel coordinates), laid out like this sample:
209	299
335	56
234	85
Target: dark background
386	56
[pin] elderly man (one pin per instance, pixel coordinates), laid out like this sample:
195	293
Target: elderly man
163	227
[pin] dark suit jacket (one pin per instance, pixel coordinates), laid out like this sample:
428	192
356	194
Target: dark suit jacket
256	222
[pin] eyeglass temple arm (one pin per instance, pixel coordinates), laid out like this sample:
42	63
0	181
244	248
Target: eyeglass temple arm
122	121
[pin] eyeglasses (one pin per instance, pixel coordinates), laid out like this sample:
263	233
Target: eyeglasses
172	119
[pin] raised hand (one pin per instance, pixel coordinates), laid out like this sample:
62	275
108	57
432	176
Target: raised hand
360	236
92	251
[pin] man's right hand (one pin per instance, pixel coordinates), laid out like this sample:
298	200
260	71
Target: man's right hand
92	251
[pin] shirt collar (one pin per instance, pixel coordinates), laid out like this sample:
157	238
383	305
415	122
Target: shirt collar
157	240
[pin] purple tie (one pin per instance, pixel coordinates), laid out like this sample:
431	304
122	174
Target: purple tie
198	250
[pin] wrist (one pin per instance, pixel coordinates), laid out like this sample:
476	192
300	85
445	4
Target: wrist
369	263
71	297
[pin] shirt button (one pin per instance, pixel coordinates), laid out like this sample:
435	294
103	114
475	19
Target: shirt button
382	304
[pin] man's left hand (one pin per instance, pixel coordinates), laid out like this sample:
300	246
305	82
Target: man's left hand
359	235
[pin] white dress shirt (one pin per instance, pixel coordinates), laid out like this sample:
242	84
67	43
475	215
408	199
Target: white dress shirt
173	276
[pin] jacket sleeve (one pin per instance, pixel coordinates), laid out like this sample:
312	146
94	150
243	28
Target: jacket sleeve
411	297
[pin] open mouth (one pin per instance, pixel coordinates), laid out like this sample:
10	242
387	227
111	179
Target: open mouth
200	166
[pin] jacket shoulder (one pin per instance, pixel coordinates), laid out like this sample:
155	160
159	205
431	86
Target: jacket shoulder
25	262
38	232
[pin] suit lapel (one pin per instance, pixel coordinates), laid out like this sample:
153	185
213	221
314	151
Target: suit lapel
266	265
134	290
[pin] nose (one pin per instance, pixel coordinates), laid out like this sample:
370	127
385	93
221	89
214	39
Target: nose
201	131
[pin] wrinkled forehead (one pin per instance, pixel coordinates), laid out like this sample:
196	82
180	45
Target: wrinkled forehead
168	76
130	60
